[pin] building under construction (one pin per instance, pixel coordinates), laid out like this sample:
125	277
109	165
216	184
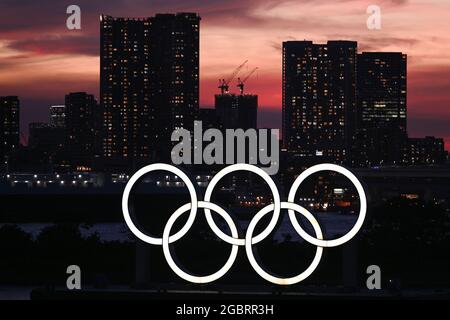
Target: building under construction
236	111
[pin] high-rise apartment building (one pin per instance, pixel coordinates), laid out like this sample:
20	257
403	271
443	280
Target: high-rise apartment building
80	129
149	84
319	99
382	104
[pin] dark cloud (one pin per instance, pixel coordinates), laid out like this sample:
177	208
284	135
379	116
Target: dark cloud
84	44
374	43
276	45
10	61
41	28
45	14
400	2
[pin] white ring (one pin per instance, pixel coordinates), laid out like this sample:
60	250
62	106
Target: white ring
126	195
248	245
249	240
276	201
165	243
362	210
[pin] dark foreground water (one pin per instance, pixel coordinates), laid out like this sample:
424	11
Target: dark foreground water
333	224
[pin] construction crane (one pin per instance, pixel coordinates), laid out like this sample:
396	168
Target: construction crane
224	84
241	83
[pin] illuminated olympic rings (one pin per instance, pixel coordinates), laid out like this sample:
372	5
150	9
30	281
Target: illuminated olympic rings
249	239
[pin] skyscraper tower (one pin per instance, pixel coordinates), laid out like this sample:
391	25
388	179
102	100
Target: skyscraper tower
125	89
174	72
382	90
319	99
382	120
80	129
149	84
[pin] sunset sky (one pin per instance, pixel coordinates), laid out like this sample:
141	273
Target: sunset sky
41	60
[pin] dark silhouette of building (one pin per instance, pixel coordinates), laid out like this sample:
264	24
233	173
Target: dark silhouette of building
382	90
9	128
125	88
208	117
382	122
58	116
237	111
149	84
80	130
319	99
174	74
424	151
46	142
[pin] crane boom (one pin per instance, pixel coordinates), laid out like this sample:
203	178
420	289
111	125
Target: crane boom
241	83
225	83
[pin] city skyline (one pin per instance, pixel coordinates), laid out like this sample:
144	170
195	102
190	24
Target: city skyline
43	62
338	106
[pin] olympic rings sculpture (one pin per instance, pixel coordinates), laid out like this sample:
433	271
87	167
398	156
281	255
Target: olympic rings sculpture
249	239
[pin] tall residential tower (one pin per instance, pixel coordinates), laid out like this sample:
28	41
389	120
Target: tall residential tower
319	99
149	84
381	108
